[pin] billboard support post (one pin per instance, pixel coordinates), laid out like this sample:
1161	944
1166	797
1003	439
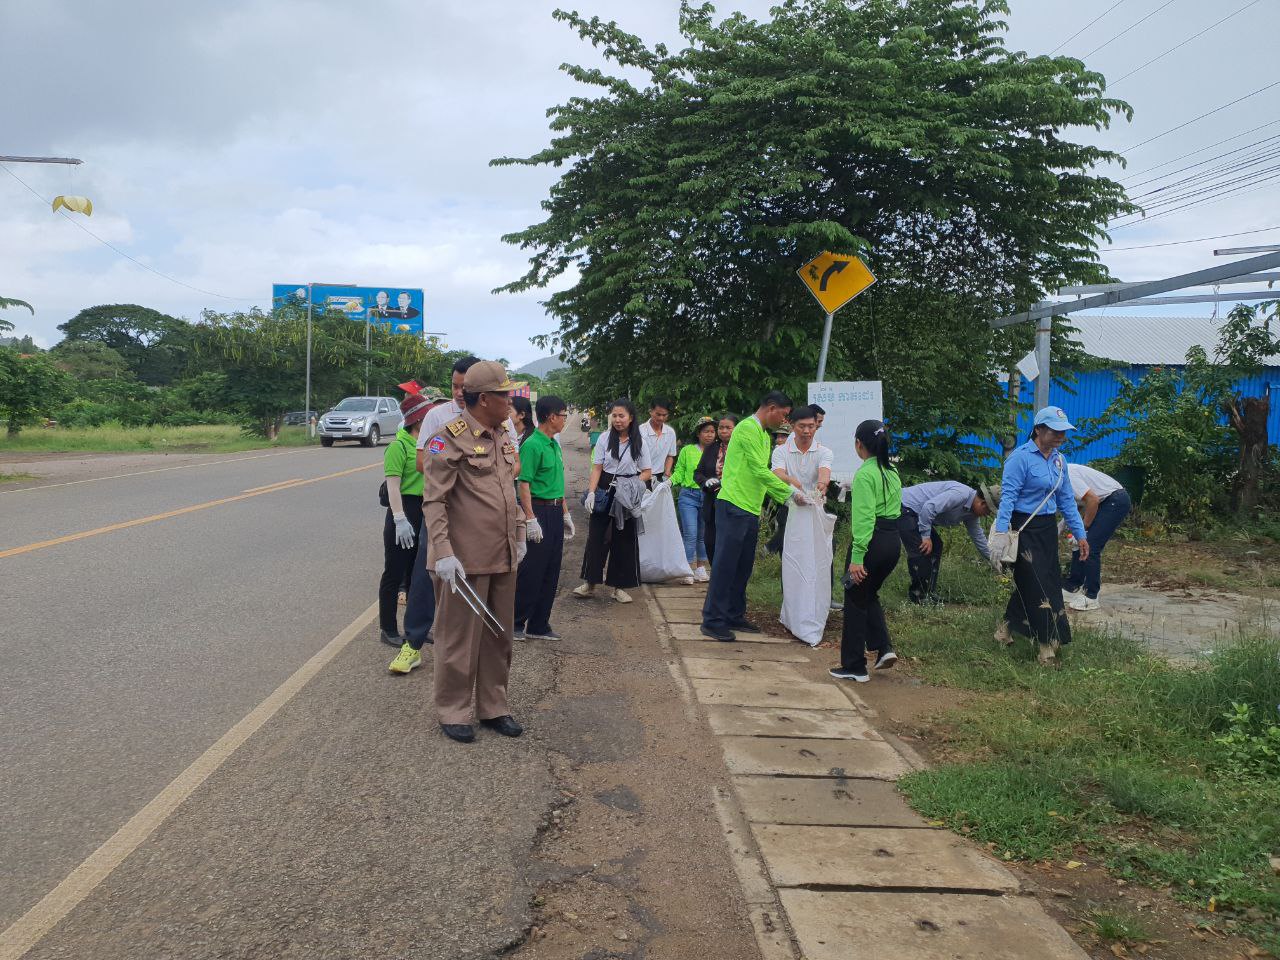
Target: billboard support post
306	406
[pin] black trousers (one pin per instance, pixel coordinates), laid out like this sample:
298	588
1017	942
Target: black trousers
780	532
539	573
924	570
864	625
420	611
1036	608
737	533
709	498
397	563
619	548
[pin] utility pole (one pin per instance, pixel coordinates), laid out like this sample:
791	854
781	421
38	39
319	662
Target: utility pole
306	406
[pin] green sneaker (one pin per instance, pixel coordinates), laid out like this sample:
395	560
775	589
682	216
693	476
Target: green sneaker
406	660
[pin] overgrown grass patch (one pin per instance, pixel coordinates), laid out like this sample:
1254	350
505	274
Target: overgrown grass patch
16	477
1168	775
114	438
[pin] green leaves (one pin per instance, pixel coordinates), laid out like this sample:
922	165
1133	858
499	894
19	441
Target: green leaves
697	181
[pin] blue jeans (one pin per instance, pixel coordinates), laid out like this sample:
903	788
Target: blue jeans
1111	513
420	611
737	533
692	525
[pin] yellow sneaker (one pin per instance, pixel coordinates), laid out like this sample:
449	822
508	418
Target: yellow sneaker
406	660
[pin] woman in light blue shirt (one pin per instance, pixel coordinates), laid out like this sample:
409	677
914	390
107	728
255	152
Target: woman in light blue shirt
1035	487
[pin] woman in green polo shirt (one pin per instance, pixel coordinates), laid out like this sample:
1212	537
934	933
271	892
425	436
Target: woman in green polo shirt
875	505
404	514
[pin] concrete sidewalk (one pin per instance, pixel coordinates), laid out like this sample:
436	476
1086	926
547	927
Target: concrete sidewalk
830	857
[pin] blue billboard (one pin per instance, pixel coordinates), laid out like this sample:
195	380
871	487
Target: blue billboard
398	307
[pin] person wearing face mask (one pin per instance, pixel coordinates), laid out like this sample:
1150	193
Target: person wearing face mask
709	474
1035	487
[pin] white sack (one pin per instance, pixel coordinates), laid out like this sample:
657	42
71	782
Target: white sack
806	572
661	547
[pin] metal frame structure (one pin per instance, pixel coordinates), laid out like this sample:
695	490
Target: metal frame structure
1143	294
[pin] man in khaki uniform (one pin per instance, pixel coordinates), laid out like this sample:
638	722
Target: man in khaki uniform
477	532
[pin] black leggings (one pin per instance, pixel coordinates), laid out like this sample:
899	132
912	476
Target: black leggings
864	626
397	562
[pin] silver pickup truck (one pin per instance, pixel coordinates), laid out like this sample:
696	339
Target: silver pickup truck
367	419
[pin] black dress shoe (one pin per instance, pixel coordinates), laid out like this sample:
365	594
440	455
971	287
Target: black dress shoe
746	626
715	633
507	726
391	639
462	732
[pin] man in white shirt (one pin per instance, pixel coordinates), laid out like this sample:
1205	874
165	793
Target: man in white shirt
1104	504
803	462
659	439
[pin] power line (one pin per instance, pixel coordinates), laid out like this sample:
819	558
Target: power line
1204	189
1201	163
112	247
1179	243
1204	177
1251	3
1085	27
1261	126
1210	113
1167	3
1235	192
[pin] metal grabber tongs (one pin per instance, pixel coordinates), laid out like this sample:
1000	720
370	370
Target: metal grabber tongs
462	586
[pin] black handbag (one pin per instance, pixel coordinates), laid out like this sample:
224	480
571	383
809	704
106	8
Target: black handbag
382	495
603	501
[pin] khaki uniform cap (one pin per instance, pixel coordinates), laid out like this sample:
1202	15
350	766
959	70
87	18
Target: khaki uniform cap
487	376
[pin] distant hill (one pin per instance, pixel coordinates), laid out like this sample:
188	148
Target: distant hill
540	368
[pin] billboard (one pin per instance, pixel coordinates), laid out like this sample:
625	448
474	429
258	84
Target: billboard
399	307
847	403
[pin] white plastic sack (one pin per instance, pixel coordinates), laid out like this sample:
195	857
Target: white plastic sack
661	547
806	572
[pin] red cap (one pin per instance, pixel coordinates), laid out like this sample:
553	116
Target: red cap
413	408
410	387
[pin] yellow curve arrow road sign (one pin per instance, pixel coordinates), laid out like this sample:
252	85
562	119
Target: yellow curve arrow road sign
835	278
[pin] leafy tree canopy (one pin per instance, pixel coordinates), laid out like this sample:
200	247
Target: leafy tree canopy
89	360
153	344
30	387
697	181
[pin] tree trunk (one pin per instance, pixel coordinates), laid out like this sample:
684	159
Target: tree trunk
270	427
1248	415
1015	388
14	428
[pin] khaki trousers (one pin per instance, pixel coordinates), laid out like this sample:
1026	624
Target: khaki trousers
468	657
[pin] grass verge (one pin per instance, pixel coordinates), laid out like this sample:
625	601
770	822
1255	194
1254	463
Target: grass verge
1168	776
114	438
16	477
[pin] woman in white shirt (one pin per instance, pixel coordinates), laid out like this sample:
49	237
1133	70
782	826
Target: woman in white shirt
618	464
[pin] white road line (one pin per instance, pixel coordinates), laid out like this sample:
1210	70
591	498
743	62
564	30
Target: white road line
139	473
27	931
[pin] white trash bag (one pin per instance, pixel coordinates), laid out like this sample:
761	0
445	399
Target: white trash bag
661	547
806	572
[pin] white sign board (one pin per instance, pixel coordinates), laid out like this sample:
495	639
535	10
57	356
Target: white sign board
847	403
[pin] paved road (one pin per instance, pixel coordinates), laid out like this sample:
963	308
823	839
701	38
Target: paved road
126	654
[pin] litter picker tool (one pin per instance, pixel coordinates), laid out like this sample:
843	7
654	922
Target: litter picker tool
462	586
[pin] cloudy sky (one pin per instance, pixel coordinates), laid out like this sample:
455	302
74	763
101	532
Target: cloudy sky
233	144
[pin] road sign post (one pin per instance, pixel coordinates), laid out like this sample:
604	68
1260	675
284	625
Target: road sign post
834	279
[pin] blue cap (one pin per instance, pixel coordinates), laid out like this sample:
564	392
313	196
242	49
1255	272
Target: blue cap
1053	417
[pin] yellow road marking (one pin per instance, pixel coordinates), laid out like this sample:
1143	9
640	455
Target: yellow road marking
29	929
125	525
139	473
271	486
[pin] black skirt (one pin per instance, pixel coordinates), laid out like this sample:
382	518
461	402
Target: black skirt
1036	609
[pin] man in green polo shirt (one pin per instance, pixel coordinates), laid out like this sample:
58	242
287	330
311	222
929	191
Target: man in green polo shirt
548	523
747	481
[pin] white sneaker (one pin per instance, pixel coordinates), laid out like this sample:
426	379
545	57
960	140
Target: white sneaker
1002	634
1081	602
584	590
689	581
621	596
701	575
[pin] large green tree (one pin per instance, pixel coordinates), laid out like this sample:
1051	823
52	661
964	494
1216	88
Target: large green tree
698	180
154	344
30	387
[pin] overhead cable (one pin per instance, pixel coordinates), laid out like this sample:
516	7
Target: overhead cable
1196	36
1086	27
1167	3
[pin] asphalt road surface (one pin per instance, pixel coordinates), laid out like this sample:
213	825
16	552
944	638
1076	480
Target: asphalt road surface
204	755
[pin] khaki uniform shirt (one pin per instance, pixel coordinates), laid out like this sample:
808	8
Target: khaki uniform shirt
469	497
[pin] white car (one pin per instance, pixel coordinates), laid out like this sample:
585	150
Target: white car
367	419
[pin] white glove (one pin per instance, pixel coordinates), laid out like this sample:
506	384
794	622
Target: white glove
713	483
533	530
569	529
801	499
997	543
449	569
405	537
590	501
521	549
